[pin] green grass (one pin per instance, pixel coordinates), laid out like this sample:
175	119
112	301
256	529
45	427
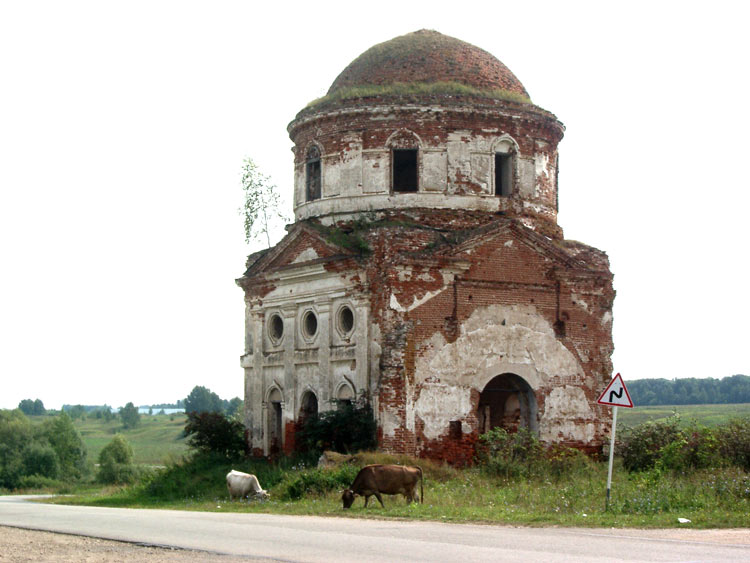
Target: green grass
158	438
418	89
707	415
716	498
637	501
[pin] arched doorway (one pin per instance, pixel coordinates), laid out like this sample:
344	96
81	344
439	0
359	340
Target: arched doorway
308	408
274	422
508	402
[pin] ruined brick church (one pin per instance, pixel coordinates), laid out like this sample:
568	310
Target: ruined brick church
425	269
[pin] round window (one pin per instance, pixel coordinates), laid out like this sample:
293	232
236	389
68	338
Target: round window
276	328
310	324
346	319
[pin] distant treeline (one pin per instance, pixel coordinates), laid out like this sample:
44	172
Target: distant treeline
690	391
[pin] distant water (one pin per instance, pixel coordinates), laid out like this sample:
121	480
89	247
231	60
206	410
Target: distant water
144	410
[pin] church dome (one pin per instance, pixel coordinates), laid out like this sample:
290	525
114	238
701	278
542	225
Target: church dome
431	60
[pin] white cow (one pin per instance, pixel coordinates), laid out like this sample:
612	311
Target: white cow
241	484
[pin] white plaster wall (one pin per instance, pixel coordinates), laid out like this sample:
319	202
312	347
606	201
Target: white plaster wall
500	339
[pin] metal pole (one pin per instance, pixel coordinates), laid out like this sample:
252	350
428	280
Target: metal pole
611	456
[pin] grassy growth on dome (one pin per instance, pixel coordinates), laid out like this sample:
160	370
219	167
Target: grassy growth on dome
418	89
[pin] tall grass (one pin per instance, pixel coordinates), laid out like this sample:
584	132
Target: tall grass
717	498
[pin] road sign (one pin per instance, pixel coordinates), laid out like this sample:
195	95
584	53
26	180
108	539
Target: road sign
616	394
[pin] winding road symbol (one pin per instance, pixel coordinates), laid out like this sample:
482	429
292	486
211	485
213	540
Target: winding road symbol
616	394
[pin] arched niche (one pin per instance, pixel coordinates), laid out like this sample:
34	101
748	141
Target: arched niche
508	402
308	406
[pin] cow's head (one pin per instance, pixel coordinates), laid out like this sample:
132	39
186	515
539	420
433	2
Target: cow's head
347	498
263	495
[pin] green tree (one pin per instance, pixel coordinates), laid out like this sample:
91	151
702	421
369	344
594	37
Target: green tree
234	407
41	459
15	433
130	416
68	445
212	432
75	411
116	462
262	207
29	407
202	399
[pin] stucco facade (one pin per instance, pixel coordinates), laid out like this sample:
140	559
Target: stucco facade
425	269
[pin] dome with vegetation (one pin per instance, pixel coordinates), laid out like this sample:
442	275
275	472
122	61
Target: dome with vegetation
426	62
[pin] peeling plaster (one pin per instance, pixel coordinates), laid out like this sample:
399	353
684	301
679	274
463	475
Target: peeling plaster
579	302
438	404
306	255
541	161
395	305
524	345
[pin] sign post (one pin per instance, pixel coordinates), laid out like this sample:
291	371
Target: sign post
615	395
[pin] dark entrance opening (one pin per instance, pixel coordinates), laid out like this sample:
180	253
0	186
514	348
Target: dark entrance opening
309	407
405	170
503	174
507	402
274	422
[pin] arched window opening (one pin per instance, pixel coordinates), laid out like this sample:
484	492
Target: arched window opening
309	407
508	402
345	396
312	173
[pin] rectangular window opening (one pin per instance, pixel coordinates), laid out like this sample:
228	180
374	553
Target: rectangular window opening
313	180
405	170
503	174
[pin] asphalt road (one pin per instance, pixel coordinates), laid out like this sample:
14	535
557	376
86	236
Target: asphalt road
309	538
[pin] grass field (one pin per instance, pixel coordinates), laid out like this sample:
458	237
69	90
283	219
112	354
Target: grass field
157	439
709	499
707	415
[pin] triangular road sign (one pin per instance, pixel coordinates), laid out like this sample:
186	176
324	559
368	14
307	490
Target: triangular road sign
616	394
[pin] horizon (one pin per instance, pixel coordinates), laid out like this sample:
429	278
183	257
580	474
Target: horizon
122	158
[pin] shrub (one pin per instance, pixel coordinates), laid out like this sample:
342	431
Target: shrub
41	460
696	447
294	486
509	454
38	482
734	442
116	462
640	447
212	432
349	428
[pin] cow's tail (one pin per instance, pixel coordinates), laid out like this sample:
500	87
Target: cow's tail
421	485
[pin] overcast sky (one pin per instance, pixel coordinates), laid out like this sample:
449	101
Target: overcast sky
123	126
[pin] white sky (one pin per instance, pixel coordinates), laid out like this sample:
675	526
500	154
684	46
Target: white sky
123	126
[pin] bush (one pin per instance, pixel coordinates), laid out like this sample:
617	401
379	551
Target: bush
41	460
294	486
116	462
212	432
734	439
641	446
38	482
510	454
349	428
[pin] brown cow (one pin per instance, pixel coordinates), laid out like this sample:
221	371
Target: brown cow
386	479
